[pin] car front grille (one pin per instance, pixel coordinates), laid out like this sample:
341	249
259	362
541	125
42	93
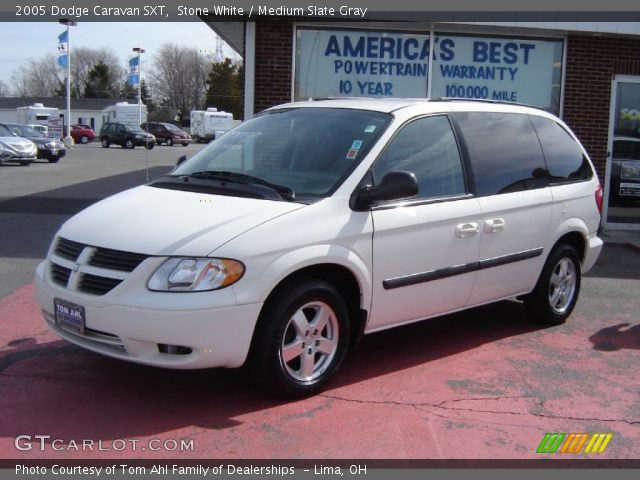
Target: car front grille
68	249
71	258
97	285
116	260
60	274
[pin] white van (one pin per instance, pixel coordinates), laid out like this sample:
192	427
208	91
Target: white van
315	222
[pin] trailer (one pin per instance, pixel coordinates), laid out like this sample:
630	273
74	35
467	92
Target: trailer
210	124
124	112
38	114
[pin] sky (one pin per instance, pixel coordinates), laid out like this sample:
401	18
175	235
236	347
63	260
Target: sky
33	40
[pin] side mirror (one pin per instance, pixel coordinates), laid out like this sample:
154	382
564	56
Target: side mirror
395	185
181	160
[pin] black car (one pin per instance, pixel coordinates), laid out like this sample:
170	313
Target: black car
48	148
167	133
125	135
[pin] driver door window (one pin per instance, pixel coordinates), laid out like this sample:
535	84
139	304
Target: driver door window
427	148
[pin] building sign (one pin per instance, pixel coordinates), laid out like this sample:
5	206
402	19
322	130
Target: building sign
503	69
394	64
360	63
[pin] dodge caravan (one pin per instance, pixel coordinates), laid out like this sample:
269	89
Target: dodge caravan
313	223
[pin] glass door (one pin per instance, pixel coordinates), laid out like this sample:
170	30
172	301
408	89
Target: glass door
622	188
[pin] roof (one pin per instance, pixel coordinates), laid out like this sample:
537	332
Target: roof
11	103
388	105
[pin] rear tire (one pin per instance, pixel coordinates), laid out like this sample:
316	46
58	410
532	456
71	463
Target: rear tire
169	142
129	144
105	142
301	338
556	293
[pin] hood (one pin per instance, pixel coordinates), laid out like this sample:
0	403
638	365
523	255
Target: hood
157	221
16	141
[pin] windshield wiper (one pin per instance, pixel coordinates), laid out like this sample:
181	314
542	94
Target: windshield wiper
285	192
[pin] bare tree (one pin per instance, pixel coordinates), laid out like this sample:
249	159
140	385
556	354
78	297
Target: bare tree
84	59
179	77
37	77
5	91
43	78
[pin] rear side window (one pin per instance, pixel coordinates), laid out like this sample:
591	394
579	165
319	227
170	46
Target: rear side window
504	151
427	148
565	160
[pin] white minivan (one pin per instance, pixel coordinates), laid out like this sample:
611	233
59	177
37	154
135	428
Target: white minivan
313	223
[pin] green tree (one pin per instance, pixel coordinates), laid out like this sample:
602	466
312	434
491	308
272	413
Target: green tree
146	97
128	92
101	82
225	88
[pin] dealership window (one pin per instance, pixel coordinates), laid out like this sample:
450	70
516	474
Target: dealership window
374	63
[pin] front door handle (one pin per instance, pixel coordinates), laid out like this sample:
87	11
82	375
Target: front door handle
494	225
464	230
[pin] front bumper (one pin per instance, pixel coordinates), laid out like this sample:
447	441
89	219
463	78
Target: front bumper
47	154
6	158
139	330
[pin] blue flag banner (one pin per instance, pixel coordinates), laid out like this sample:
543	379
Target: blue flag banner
63	49
134	71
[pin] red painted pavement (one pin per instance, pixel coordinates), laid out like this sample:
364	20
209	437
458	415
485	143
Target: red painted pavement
482	384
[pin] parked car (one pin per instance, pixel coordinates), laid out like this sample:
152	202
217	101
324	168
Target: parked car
48	148
624	186
43	129
313	223
125	135
16	149
167	133
82	134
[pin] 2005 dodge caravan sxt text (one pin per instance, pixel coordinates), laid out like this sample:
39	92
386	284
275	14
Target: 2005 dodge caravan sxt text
312	223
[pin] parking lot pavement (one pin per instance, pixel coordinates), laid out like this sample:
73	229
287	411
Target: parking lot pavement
480	384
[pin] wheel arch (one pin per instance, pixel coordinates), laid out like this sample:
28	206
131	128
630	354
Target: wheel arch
348	284
572	232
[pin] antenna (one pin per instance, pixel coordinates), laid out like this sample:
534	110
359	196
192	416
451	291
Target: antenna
219	55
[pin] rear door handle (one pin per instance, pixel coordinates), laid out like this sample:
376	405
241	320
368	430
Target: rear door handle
494	225
464	230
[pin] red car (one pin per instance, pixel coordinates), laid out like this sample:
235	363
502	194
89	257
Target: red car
82	134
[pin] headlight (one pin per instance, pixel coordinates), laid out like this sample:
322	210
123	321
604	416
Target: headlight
195	274
52	145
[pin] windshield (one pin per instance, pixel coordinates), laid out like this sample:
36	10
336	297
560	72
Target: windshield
24	131
172	128
4	132
308	150
133	128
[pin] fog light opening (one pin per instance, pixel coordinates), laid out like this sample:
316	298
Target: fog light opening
174	349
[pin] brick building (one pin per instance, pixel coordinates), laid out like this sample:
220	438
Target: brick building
587	73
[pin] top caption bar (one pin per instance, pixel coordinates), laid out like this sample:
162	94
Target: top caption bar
369	10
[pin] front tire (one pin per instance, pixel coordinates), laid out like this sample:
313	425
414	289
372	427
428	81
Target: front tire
84	139
301	338
556	293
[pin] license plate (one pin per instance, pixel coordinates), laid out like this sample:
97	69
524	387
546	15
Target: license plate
69	315
54	151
